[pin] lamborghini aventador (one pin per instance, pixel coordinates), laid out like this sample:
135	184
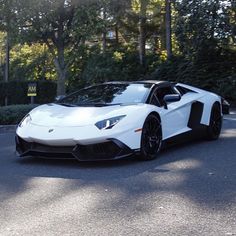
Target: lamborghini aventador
117	119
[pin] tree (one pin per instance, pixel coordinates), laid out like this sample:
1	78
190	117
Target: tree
202	27
142	31
118	11
31	62
168	28
110	16
148	15
56	24
7	23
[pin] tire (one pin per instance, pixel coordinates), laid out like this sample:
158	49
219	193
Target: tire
214	128
151	138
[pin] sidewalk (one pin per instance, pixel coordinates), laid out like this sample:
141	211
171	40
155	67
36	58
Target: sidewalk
7	128
231	116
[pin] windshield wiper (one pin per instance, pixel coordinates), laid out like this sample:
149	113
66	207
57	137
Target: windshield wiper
66	104
100	105
96	104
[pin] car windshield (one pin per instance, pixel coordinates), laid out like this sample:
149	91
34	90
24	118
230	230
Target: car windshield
108	94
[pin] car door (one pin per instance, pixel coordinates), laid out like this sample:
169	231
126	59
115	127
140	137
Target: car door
175	117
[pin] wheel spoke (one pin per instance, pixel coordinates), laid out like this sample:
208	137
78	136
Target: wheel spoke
157	128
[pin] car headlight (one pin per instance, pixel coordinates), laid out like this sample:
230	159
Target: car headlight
108	123
26	120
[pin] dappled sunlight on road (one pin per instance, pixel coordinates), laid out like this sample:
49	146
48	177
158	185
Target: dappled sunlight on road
187	186
43	204
229	133
186	164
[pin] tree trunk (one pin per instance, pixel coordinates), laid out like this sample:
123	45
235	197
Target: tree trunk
117	34
60	64
168	29
142	32
104	42
163	34
7	63
61	70
104	34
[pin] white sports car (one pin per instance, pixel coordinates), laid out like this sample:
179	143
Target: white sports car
117	119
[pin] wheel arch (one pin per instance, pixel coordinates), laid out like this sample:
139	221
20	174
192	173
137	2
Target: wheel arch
159	118
217	103
155	114
209	102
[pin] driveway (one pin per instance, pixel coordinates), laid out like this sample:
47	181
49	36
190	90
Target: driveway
189	190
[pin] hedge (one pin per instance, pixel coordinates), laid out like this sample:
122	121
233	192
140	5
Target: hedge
11	115
17	92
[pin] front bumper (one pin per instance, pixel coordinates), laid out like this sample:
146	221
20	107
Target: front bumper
111	149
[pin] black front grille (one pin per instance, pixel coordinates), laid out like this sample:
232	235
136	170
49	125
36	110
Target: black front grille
99	151
25	148
111	149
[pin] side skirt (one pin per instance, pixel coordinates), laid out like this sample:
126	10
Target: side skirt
196	134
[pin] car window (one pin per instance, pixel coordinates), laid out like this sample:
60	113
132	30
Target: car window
155	101
108	94
159	94
183	90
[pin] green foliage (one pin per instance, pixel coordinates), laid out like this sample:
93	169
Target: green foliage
17	92
216	74
11	115
117	66
204	33
31	62
91	41
8	18
202	26
61	25
78	65
103	67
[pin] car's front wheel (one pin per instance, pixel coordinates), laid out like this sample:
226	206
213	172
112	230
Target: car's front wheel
151	138
214	128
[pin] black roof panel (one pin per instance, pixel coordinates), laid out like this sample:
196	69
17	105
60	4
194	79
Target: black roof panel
139	82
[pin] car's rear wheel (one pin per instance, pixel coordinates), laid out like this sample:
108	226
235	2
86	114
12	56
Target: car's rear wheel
151	138
214	128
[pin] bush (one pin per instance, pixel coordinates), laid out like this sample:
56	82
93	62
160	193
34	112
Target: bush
11	115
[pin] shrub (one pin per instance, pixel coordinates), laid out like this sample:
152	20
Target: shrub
10	115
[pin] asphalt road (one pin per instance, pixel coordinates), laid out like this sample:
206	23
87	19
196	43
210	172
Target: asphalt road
189	190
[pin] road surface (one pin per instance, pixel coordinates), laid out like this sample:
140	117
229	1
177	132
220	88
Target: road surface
189	190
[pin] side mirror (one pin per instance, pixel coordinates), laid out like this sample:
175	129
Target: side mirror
59	98
171	98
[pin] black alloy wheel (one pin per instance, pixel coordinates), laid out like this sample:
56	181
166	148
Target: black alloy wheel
214	128
151	138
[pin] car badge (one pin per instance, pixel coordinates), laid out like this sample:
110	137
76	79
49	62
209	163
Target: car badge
50	131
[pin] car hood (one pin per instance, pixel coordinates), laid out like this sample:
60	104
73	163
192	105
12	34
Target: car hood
61	116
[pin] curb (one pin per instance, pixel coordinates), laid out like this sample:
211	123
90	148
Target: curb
7	128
